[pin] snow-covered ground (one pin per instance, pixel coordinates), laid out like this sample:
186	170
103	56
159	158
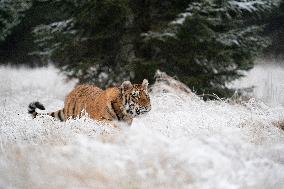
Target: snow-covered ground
267	80
183	142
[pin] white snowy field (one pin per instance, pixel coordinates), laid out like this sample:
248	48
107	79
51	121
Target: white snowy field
267	78
183	142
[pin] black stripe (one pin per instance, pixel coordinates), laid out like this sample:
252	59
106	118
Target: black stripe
67	109
59	115
126	100
31	111
52	114
121	93
117	115
73	111
32	106
39	106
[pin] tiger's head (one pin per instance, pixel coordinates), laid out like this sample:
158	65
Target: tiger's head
135	97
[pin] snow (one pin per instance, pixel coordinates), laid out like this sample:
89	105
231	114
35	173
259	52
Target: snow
267	80
246	5
183	142
181	18
157	35
56	27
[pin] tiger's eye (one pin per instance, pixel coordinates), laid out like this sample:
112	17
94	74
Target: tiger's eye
135	94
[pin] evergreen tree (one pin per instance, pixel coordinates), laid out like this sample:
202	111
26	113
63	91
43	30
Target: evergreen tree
11	13
100	41
17	20
275	30
205	43
88	43
150	15
210	44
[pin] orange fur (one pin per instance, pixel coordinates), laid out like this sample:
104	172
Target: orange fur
117	103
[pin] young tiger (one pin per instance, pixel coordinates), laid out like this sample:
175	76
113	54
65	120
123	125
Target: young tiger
117	103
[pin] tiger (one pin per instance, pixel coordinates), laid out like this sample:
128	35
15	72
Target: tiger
121	103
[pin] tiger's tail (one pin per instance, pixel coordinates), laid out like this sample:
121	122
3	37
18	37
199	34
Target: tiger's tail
59	114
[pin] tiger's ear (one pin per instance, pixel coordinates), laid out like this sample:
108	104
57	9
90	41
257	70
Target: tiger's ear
145	84
126	85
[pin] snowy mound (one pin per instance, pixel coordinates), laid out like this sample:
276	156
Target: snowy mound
183	142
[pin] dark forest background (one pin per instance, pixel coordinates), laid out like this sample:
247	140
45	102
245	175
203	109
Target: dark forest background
204	43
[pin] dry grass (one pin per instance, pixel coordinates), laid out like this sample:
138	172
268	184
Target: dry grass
280	124
183	142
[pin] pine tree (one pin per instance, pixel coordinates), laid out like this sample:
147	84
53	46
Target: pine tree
210	44
11	13
150	16
88	43
17	19
205	43
275	30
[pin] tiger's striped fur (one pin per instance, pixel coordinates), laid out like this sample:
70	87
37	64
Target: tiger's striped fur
117	103
34	105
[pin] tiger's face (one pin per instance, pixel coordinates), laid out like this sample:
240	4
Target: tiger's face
136	98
